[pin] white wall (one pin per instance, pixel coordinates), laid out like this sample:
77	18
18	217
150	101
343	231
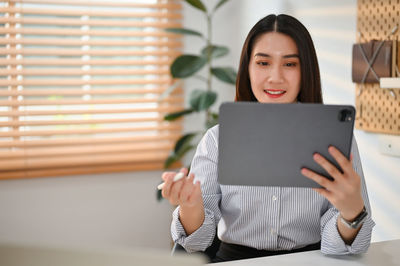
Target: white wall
120	210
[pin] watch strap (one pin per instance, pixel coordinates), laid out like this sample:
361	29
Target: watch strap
357	222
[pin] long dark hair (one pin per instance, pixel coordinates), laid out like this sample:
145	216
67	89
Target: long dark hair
310	84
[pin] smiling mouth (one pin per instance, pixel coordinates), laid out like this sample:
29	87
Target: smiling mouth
275	93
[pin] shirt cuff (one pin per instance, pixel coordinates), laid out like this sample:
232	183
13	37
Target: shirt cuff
200	239
333	244
363	239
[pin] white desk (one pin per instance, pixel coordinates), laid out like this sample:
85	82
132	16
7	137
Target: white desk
386	253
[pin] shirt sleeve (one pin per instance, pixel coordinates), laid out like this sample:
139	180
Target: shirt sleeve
204	167
331	241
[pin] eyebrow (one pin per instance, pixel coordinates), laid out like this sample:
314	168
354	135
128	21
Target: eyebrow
285	56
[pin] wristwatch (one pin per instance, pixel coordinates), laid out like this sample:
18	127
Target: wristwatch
357	222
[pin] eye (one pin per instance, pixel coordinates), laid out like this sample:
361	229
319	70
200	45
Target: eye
291	64
263	63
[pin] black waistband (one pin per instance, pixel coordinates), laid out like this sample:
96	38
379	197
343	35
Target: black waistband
229	252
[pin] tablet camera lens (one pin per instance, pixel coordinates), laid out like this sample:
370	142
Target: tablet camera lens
345	115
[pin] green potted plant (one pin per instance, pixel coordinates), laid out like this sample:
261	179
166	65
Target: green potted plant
188	66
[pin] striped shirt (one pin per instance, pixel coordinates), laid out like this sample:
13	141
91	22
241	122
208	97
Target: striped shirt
268	218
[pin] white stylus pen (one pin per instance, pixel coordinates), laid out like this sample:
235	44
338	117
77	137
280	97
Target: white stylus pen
177	177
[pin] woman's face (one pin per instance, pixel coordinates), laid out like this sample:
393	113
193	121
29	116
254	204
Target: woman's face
274	69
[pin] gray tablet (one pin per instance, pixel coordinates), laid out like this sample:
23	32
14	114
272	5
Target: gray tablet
267	144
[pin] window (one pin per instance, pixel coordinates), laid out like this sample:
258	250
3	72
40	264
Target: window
80	86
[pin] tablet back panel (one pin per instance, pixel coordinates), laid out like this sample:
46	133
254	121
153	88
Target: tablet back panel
267	144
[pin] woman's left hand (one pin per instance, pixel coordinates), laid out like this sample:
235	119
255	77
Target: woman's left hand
344	191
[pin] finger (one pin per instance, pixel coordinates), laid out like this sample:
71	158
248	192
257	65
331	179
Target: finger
184	171
165	175
328	166
196	194
169	184
325	193
168	180
187	188
175	191
319	179
343	162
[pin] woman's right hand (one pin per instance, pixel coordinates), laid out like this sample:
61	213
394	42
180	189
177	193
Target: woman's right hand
182	192
187	195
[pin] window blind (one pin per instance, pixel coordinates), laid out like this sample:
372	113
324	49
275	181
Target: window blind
80	86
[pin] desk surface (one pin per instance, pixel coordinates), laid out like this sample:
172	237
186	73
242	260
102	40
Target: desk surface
379	253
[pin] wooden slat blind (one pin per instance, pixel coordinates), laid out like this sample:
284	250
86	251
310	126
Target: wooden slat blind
80	86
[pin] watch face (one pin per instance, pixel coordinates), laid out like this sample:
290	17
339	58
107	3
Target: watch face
357	221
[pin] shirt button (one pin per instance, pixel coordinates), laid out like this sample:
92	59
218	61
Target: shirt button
274	198
272	231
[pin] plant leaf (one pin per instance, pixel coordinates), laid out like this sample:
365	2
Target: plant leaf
226	74
220	3
216	51
186	65
170	160
202	100
184	31
176	115
184	140
212	121
174	157
169	90
197	4
184	150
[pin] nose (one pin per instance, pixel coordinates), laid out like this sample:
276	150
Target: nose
275	74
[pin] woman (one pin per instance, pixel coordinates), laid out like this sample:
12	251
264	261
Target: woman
278	65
